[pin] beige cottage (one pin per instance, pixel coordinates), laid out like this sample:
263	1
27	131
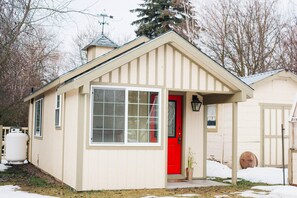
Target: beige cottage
124	119
259	120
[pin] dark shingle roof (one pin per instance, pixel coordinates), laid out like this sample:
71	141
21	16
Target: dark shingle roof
101	41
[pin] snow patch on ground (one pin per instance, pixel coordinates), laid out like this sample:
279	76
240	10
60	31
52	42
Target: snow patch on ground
257	174
215	169
13	192
264	175
3	167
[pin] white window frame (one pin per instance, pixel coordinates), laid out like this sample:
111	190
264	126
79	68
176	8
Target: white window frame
215	128
58	107
38	133
126	143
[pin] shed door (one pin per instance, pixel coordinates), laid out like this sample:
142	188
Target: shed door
174	134
273	118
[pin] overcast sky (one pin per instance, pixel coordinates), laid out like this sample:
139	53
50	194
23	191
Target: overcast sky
120	26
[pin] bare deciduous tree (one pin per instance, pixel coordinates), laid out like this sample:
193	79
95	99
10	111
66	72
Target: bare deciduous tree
28	54
243	36
288	49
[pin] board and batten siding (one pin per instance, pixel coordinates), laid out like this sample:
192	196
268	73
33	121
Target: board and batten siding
70	137
167	67
47	152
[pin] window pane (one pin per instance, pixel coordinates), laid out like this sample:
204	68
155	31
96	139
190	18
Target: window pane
57	117
211	116
97	136
98	108
143	136
133	96
143	110
98	122
132	136
120	123
171	118
143	123
108	136
143	97
132	123
109	96
132	110
109	109
120	96
119	136
98	95
108	122
120	109
58	101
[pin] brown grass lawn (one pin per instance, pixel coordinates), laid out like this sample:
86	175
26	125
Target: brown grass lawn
32	180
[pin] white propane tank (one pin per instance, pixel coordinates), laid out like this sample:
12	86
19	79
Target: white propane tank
16	146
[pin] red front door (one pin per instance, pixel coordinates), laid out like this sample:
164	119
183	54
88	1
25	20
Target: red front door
174	134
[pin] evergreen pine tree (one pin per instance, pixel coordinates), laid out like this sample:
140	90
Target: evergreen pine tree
159	16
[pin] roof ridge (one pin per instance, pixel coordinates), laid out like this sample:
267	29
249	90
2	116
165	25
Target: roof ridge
262	73
251	79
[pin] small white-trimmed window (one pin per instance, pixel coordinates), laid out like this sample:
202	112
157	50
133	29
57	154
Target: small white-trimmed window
58	111
38	118
125	116
212	117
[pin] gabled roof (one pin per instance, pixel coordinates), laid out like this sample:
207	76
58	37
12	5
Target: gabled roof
88	66
260	76
120	56
101	41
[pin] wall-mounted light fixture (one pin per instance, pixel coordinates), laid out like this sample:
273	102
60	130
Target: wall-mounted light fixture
196	103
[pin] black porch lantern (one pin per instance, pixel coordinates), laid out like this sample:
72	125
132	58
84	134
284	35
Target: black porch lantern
196	104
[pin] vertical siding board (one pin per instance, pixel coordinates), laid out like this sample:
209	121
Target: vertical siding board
105	78
161	65
133	72
142	69
152	68
115	76
210	82
177	69
202	79
194	79
186	77
169	67
124	74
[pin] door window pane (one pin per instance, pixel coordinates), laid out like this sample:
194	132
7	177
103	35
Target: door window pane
171	118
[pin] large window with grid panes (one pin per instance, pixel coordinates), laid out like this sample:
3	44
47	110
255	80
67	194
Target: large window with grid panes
124	116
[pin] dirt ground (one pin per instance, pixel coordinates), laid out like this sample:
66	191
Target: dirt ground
31	179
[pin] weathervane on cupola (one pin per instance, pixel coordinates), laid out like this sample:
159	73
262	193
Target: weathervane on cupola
104	22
